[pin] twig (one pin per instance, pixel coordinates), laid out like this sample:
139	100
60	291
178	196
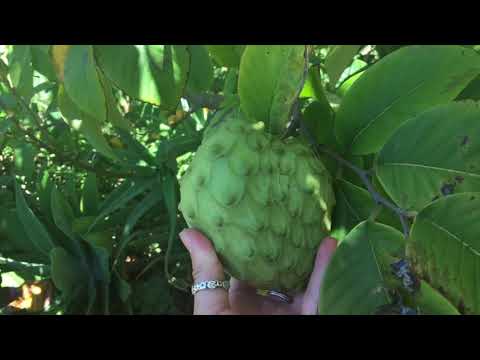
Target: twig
41	144
211	101
364	176
58	155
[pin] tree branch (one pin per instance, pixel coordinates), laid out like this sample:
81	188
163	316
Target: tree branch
363	175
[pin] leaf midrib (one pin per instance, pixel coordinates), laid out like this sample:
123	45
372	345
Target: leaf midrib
388	108
432	168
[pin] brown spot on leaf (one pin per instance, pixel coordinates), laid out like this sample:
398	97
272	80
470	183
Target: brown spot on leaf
465	140
459	179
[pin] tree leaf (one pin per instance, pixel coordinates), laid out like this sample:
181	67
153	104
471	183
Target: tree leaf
113	114
44	189
87	125
89	202
227	55
313	87
67	272
354	205
431	302
82	84
200	76
5	124
59	53
445	249
140	210
64	217
120	198
21	70
355	281
24	160
122	287
156	74
415	170
338	59
472	91
14	241
41	61
35	230
381	100
319	119
62	213
270	79
135	149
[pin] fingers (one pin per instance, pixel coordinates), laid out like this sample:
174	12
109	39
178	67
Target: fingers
206	266
312	294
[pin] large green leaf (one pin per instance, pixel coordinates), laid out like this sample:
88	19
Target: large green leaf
318	118
200	76
471	91
156	74
82	84
354	205
152	199
122	196
35	230
445	249
397	88
89	201
356	280
24	160
62	212
44	187
433	155
227	55
98	260
41	61
89	126
14	241
313	86
113	114
269	82
21	70
338	59
5	124
431	302
67	272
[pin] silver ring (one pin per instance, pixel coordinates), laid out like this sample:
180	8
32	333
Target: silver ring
280	296
210	284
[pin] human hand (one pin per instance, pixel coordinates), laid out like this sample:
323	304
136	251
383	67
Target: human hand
242	299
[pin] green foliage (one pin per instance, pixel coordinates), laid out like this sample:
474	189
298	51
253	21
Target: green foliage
95	138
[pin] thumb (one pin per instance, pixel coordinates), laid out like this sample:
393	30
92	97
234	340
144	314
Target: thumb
312	294
206	266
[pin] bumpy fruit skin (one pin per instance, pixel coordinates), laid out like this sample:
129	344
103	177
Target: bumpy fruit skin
264	203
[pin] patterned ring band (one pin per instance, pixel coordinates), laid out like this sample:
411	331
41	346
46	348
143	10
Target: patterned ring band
211	284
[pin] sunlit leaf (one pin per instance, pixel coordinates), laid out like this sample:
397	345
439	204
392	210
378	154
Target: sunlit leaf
398	87
271	78
433	155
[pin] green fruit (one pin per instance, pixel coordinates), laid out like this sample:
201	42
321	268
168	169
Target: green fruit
265	203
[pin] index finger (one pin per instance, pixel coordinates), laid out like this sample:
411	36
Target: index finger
206	266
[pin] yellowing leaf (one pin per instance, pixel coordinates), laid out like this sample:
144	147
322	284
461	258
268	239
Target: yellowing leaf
59	55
